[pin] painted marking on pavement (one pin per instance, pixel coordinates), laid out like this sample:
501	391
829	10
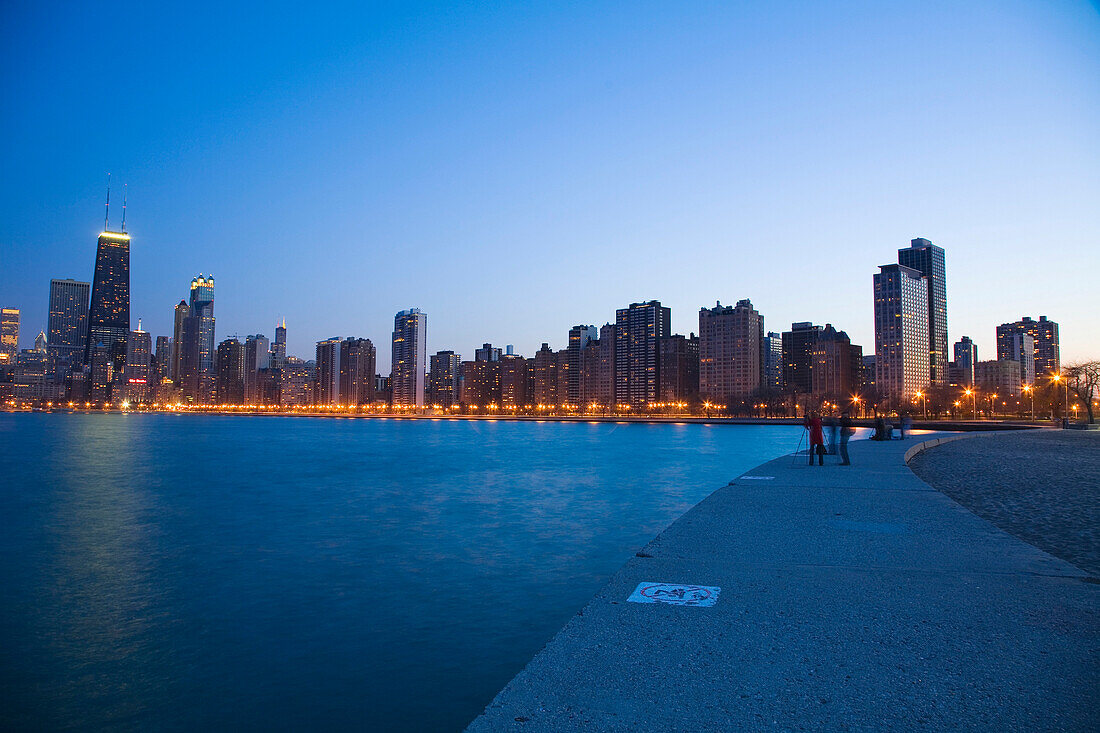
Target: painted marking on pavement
874	527
758	478
675	594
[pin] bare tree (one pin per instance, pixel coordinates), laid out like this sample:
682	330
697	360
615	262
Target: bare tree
1083	379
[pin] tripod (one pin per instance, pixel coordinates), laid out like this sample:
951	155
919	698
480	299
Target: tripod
794	456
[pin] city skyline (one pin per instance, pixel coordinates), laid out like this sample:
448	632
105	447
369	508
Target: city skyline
711	170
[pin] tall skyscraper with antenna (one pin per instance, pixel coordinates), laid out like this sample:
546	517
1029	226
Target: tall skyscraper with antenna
278	349
109	310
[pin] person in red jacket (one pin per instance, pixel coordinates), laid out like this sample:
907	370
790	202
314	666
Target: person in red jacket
812	422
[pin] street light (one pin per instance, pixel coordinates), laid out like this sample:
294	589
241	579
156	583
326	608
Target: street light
921	395
973	401
1031	392
1065	413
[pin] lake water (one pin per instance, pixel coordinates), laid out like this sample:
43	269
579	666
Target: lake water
189	572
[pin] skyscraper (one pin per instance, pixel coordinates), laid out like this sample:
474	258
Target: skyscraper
798	357
966	359
409	357
109	311
229	380
513	381
837	368
546	376
138	377
579	336
639	327
175	365
67	326
901	332
9	334
1018	346
326	390
197	352
443	377
357	359
278	349
679	369
731	347
773	361
598	370
929	260
1048	358
257	357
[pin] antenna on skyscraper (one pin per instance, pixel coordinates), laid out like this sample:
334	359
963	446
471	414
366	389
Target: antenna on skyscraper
124	211
107	210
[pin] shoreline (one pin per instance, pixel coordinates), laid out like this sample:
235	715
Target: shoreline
943	425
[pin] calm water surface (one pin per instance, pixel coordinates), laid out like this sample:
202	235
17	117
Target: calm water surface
185	572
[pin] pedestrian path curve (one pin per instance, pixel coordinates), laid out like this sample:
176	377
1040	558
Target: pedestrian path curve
849	598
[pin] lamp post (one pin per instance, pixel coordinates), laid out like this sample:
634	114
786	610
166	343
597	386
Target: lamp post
973	401
1031	393
1065	412
924	398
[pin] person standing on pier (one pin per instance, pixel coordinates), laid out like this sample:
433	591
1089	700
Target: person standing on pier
812	422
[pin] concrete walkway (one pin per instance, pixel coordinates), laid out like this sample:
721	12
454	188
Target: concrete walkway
852	598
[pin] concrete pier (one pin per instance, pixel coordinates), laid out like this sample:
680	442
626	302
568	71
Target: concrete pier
850	598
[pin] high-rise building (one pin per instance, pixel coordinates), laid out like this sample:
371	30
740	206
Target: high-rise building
326	389
229	382
296	378
598	370
67	326
930	261
109	311
175	366
965	354
197	350
638	328
1001	377
773	361
869	372
487	352
30	375
1048	358
546	376
836	371
797	347
409	360
481	383
278	349
579	337
138	378
679	369
901	332
1018	346
443	378
257	357
357	362
731	346
162	357
513	381
9	334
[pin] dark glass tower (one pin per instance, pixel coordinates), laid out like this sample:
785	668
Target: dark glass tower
109	312
640	327
929	260
197	351
67	328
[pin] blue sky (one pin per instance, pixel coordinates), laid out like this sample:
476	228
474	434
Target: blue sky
514	169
